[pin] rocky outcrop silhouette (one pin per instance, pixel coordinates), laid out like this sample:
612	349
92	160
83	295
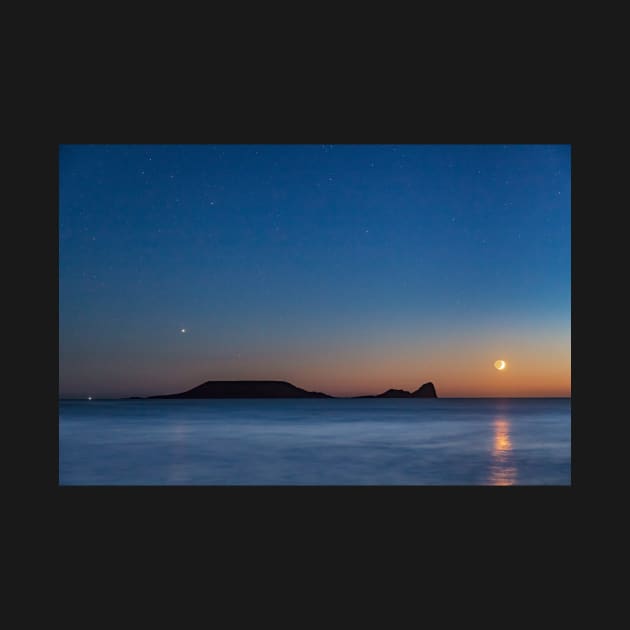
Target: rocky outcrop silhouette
424	391
394	393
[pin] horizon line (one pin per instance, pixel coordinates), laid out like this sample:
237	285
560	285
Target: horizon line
330	395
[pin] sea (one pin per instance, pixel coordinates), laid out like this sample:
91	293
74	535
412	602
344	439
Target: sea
270	442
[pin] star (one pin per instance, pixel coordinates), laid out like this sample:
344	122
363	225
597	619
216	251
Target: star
183	330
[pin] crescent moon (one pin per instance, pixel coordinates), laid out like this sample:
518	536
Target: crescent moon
500	364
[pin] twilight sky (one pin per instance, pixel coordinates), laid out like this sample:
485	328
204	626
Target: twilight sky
347	269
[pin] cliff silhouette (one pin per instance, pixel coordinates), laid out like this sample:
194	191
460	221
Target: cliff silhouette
280	389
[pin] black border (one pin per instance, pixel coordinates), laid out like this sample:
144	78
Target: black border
400	121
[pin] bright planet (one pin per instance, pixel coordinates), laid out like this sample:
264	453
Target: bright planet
500	364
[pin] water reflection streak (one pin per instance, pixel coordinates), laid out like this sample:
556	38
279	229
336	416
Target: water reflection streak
502	469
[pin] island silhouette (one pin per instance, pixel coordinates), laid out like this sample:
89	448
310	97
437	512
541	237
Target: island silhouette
424	391
281	389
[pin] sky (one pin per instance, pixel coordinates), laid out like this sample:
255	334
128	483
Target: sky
346	269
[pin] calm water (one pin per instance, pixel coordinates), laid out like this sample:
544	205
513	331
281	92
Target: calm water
332	442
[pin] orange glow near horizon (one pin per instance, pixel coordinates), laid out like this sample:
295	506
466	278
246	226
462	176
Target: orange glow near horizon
458	366
538	364
454	374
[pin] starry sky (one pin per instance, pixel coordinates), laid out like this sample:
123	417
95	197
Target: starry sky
347	269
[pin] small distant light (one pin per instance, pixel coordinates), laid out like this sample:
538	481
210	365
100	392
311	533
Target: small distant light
183	330
89	397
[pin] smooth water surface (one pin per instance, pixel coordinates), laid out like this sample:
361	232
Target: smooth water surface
456	441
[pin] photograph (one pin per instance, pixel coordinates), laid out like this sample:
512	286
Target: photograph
314	315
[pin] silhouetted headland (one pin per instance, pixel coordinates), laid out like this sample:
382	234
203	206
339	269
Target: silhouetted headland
424	391
280	389
245	389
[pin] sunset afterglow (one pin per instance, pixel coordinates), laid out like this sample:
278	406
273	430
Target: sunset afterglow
347	269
